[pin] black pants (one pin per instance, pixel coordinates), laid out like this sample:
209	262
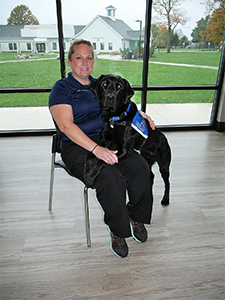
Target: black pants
131	176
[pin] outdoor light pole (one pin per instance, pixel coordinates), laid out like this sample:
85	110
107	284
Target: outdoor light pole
140	37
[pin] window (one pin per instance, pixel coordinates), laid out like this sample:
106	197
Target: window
165	70
28	46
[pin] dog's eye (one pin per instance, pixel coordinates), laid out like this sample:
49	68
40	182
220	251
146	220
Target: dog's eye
104	84
119	86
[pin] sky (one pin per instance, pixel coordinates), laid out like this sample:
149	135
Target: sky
80	12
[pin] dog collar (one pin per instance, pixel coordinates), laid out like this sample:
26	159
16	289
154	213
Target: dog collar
118	118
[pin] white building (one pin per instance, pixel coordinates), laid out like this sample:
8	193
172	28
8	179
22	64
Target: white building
109	34
105	32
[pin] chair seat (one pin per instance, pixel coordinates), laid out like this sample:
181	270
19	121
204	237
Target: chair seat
60	164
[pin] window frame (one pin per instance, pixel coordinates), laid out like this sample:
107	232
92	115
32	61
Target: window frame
144	88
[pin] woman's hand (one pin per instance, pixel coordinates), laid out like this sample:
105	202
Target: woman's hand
151	122
106	155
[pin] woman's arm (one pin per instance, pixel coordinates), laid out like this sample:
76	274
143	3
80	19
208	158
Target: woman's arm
151	122
63	116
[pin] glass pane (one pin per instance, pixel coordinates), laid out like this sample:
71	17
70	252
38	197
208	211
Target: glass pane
182	54
117	35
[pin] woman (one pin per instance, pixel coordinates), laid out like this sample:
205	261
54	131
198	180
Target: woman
77	113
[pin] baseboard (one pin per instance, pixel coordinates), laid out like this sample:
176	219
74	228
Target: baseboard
220	126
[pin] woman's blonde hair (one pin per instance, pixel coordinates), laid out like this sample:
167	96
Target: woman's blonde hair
77	43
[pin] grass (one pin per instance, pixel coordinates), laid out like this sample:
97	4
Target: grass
44	73
194	58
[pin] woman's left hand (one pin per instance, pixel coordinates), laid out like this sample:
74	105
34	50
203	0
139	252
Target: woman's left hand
151	122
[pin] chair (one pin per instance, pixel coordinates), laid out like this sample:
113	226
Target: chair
56	148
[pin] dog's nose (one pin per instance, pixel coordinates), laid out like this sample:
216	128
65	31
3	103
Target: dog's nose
110	97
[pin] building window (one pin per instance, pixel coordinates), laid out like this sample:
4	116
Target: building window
12	46
124	46
102	46
28	46
94	45
54	46
110	46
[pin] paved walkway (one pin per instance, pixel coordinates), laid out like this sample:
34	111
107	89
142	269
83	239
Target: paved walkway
26	118
118	57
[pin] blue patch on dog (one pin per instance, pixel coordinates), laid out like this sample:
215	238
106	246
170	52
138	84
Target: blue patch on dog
139	125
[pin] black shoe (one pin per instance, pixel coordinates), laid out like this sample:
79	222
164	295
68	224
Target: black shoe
118	245
138	231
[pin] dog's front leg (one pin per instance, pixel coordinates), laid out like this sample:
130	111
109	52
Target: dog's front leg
92	168
127	146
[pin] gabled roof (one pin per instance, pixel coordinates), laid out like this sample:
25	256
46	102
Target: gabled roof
110	7
118	25
10	31
78	28
135	34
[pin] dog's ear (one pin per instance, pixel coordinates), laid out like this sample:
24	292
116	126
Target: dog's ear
128	91
94	86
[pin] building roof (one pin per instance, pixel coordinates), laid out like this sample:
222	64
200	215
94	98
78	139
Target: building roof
78	28
118	25
10	32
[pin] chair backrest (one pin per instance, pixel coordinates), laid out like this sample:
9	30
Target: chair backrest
56	141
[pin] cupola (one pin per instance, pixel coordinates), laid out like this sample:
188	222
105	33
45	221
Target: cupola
111	12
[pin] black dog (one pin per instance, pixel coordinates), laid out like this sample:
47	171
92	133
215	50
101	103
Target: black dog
124	129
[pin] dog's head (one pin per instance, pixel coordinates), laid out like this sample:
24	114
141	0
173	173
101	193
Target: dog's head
114	92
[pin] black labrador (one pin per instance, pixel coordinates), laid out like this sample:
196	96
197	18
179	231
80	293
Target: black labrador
124	129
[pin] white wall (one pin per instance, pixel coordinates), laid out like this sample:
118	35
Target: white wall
99	32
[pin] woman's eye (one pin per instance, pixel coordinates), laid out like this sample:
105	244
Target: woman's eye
78	57
89	58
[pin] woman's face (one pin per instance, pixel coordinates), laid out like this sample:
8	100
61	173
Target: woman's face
81	63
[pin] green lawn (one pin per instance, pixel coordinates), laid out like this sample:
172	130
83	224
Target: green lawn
44	73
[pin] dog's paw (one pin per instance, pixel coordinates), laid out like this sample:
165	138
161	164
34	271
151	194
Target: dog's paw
165	201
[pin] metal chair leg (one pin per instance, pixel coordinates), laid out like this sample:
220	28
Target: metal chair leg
51	182
87	222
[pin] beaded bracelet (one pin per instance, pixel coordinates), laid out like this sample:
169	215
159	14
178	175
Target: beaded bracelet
94	148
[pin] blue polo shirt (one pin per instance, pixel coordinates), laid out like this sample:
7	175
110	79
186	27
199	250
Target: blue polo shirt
86	108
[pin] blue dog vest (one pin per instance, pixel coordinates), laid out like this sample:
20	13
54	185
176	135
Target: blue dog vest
139	125
138	122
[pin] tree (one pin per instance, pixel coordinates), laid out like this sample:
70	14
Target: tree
171	15
183	41
211	5
216	26
175	39
21	15
199	32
